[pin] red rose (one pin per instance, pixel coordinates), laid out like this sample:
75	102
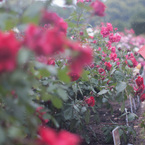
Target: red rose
113	56
51	137
97	66
132	59
90	101
140	89
142	98
108	65
108	44
9	48
139	81
98	7
114	38
74	76
44	43
84	57
54	20
92	65
102	71
51	61
113	49
105	31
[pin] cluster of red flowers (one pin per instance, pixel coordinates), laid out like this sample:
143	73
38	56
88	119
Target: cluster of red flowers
51	137
114	38
132	59
83	57
108	66
9	48
142	97
104	54
108	44
113	56
53	20
90	101
105	31
99	8
44	43
140	83
40	114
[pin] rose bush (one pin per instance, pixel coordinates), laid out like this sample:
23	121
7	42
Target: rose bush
49	81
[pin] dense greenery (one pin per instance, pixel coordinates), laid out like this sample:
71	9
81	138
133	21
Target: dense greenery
125	13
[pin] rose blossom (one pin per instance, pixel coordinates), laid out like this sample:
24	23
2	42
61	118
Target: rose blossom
105	31
90	101
51	61
113	49
142	97
139	81
9	48
113	56
51	137
54	20
108	65
74	76
132	59
99	8
102	71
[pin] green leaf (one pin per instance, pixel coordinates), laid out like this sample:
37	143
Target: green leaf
57	102
114	69
83	110
123	107
76	107
62	75
62	93
75	88
52	70
44	72
45	96
85	75
80	90
2	135
102	92
121	87
132	116
130	90
130	63
104	100
68	113
119	76
3	18
87	116
55	122
23	56
14	132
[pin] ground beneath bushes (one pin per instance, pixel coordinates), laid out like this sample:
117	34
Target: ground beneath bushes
106	118
140	133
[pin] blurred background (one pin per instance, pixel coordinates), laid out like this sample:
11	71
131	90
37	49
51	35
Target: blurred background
121	13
